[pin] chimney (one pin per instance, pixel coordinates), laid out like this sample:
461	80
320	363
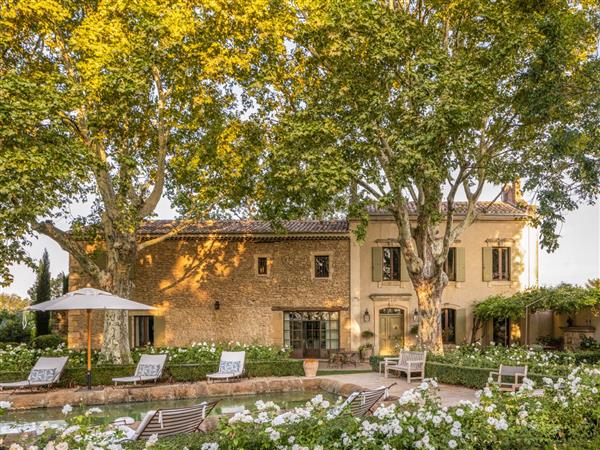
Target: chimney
511	193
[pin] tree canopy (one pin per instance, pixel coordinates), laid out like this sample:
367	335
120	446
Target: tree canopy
406	106
119	104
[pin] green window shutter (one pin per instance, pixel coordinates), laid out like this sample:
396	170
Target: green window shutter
487	263
376	263
404	276
460	332
460	263
511	266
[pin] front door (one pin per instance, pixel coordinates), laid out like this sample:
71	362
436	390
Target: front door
312	338
391	331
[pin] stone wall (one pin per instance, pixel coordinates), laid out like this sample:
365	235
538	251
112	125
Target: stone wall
184	278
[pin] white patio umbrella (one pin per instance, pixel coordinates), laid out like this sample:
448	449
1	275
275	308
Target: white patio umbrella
89	299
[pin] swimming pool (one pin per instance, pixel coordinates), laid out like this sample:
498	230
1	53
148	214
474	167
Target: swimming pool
16	421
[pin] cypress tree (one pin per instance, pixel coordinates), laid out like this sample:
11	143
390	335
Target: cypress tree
43	294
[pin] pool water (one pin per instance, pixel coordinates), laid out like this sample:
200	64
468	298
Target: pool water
28	420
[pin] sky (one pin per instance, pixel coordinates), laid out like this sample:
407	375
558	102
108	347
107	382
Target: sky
576	260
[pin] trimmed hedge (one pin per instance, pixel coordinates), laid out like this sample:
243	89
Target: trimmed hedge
102	375
473	377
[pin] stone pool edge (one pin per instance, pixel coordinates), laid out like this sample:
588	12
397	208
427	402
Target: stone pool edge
176	391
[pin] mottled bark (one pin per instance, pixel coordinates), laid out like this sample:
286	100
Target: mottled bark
429	297
121	257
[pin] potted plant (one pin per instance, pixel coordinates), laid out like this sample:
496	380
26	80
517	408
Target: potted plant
310	367
366	350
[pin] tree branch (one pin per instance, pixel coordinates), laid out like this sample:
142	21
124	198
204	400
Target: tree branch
183	224
152	200
71	246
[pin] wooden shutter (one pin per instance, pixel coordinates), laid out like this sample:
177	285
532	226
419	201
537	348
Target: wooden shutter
460	263
376	263
404	276
460	333
511	266
487	263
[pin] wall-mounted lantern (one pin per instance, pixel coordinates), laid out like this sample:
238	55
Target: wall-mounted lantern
366	316
416	315
217	305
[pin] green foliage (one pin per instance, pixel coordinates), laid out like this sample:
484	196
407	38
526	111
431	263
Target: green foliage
561	299
43	293
551	413
189	363
11	327
47	341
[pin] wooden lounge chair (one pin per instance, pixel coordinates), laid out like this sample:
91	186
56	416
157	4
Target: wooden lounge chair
517	373
231	367
45	373
409	363
168	422
149	368
361	403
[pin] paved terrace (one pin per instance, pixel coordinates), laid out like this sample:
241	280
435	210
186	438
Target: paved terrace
449	394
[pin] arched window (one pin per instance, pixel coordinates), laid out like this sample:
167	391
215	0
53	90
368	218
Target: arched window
448	319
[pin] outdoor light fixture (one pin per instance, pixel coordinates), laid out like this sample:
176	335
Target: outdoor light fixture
217	305
416	315
366	316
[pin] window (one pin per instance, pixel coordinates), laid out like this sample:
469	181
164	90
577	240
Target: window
391	263
448	319
311	334
501	263
322	266
450	264
142	330
262	266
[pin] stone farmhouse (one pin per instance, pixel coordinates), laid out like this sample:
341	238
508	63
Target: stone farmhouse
314	287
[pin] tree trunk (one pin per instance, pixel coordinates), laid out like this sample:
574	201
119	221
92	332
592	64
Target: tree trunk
121	257
429	296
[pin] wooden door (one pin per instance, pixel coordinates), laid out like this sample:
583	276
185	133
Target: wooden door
391	331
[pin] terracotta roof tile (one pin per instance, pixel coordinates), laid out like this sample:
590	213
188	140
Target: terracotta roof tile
241	227
486	208
249	227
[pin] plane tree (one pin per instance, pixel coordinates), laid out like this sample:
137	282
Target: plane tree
409	106
115	105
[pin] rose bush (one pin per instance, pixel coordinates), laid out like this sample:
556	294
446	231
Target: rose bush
562	413
22	357
538	361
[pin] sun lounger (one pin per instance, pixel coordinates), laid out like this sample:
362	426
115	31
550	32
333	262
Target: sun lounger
168	422
45	373
149	368
231	367
361	403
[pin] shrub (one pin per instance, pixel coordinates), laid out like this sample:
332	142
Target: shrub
47	341
553	414
11	327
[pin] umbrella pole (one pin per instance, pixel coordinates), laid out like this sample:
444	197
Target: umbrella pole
89	349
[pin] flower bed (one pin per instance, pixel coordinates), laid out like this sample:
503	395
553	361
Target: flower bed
563	413
21	357
183	364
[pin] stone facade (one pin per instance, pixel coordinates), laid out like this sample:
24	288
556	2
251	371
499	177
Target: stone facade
489	231
184	278
206	285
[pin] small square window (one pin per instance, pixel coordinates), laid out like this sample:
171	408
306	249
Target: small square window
262	265
322	266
